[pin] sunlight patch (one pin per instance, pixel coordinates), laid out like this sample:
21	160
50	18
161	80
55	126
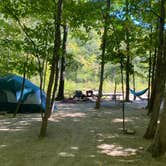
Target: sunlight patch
100	134
76	120
63	115
92	131
2	146
74	148
24	122
107	136
72	115
6	123
4	129
37	119
12	129
53	120
16	129
65	154
92	156
100	140
116	150
117	120
112	136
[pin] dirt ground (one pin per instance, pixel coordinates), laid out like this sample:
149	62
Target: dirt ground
78	135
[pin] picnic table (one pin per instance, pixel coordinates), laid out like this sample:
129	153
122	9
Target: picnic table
114	96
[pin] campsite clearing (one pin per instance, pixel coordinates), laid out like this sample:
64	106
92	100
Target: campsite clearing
78	135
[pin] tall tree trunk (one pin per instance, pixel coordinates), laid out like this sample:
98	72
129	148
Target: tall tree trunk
154	61
159	145
150	68
60	95
127	78
159	78
56	52
100	85
134	97
115	87
128	56
56	77
45	72
106	24
41	68
151	101
45	64
123	102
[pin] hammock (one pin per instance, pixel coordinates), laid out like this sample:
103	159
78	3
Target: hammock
138	93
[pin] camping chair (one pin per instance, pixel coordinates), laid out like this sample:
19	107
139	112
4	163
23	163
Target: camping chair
78	95
138	93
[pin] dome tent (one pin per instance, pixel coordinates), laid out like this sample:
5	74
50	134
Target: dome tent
10	91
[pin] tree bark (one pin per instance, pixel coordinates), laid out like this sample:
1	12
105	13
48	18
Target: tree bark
123	102
127	77
20	101
56	52
115	87
45	72
106	24
159	78
151	100
159	145
55	86
128	56
134	97
60	95
154	61
150	68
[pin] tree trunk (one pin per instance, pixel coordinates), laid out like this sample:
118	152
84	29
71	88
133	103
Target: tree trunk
134	97
127	78
60	95
159	145
21	95
123	102
43	127
100	86
128	56
57	40
159	78
115	87
154	61
150	132
106	24
150	68
151	101
45	72
56	77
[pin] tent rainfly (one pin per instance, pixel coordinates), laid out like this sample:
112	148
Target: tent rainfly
10	92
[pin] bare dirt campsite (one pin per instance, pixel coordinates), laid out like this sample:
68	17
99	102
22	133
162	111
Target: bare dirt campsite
78	135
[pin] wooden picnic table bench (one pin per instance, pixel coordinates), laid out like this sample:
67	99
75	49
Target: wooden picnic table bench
91	93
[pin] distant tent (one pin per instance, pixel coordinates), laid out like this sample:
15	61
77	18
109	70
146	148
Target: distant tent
10	91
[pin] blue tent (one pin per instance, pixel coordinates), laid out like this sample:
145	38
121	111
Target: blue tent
10	91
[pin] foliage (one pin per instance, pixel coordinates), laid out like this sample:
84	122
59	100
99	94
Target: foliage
85	34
